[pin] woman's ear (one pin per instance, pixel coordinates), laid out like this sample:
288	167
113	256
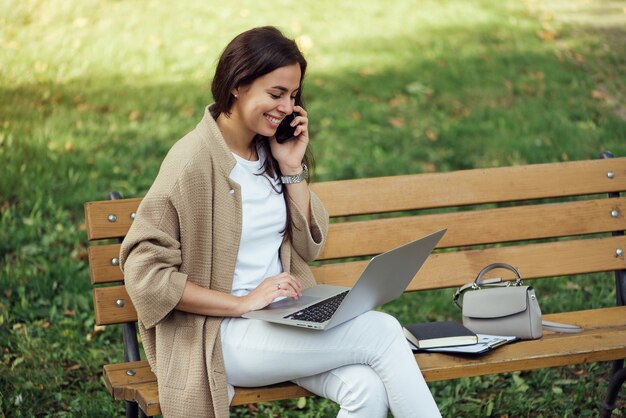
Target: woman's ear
235	92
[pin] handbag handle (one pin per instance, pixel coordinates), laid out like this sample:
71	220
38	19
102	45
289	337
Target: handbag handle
479	281
487	269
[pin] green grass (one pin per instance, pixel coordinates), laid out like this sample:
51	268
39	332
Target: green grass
93	94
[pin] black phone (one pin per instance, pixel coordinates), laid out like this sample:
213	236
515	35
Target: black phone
285	132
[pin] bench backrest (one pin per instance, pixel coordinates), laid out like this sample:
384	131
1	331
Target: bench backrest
569	216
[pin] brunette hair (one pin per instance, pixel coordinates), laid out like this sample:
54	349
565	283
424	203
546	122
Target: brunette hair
251	55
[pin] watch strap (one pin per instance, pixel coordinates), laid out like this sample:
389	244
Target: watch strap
303	175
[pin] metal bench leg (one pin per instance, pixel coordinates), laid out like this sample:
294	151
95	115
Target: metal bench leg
131	345
617	380
132	409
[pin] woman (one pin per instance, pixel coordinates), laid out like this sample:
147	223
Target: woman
228	227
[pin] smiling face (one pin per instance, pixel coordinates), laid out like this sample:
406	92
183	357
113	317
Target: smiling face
262	105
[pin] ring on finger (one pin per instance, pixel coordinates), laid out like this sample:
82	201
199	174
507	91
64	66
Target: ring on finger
278	286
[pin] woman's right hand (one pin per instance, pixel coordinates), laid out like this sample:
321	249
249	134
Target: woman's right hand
283	284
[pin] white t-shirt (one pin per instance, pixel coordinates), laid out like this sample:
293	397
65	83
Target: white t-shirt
263	219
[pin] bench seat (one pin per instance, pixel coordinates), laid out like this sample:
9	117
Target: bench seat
601	340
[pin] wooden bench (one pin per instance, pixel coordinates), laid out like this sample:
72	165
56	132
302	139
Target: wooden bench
548	220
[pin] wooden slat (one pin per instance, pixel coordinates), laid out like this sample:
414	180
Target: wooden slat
422	191
142	388
277	392
147	396
145	392
118	380
106	308
602	343
441	270
97	214
352	239
468	187
101	264
451	269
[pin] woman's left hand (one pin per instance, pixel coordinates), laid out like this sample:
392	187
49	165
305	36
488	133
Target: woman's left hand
290	154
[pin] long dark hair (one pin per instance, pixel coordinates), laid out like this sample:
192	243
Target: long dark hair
251	55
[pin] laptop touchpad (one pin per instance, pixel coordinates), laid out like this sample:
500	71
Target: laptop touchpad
287	303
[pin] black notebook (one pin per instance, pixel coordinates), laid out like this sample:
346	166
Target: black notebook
439	334
485	344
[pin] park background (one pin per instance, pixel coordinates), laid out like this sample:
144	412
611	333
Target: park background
93	94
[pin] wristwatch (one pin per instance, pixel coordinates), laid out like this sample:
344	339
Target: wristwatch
304	175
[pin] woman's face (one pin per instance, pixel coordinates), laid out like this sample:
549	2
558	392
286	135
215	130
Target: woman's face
262	105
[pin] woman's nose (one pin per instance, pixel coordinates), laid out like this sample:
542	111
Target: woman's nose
286	106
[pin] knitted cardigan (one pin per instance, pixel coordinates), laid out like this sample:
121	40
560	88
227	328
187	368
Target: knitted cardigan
188	227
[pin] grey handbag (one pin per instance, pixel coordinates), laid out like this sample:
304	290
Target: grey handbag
498	308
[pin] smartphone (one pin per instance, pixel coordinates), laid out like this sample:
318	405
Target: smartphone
285	132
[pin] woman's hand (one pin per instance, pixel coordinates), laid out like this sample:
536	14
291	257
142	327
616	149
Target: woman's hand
290	154
283	284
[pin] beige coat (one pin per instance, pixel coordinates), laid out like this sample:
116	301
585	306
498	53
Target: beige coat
188	227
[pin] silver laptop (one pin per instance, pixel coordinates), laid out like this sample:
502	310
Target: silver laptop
383	280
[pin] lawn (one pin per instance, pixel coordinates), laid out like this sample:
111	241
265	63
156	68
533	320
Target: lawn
93	94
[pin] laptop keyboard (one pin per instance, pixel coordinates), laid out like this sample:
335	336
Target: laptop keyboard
321	311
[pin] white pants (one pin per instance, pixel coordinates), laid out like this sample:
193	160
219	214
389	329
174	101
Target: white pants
365	364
